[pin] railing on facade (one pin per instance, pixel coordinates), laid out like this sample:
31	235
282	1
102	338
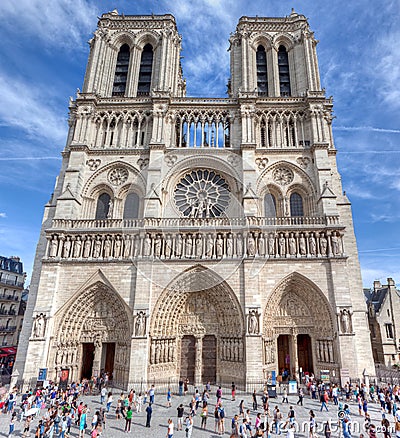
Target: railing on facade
11	282
8	298
249	221
8	329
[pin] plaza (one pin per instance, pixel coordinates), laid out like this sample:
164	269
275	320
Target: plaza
161	414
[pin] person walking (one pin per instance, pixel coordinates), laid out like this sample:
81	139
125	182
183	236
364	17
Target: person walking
109	401
324	399
169	398
180	410
152	392
312	424
301	396
103	394
128	419
233	391
204	415
170	430
82	424
255	404
149	411
13	419
285	396
189	426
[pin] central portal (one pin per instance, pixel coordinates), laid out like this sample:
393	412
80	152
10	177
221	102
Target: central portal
209	362
188	357
87	360
305	353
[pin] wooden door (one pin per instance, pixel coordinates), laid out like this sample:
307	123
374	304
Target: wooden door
304	353
110	355
209	359
188	358
87	360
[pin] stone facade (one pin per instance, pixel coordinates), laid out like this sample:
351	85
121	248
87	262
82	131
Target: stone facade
383	303
206	238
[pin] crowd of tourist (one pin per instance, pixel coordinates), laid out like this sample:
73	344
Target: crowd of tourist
53	411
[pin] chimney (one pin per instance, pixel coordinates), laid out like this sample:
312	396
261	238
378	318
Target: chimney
377	285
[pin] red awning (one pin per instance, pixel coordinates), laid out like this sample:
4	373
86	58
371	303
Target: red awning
8	351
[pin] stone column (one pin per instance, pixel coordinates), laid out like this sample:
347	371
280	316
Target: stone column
98	347
294	360
198	361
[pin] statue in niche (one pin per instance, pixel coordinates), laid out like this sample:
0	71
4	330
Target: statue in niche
178	245
229	245
188	246
199	246
292	244
323	244
110	209
127	246
239	245
39	326
219	246
313	245
282	249
107	248
53	247
157	246
140	324
97	247
335	244
136	246
86	247
77	247
147	245
261	245
67	247
271	244
253	322
168	246
345	320
209	245
251	245
117	247
302	245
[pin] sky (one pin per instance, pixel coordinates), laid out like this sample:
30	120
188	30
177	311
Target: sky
43	57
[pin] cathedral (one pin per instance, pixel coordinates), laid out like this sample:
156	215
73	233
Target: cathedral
199	238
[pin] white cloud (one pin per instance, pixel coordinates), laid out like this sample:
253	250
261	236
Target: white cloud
366	129
61	23
3	215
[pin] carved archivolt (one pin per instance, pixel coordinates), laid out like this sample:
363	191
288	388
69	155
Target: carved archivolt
297	303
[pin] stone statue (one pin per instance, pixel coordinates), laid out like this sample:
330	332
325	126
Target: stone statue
323	244
253	322
39	326
239	245
209	245
335	244
157	246
271	244
251	245
110	209
66	248
147	246
168	246
313	245
282	249
229	245
188	246
87	247
140	324
219	246
97	247
77	247
292	245
127	246
136	246
107	248
53	247
261	245
345	318
178	245
117	247
302	245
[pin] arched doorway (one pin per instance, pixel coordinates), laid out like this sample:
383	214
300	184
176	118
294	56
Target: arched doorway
93	332
197	331
299	330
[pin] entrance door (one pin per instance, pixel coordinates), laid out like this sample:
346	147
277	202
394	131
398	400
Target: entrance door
188	357
209	359
284	355
108	355
304	353
87	360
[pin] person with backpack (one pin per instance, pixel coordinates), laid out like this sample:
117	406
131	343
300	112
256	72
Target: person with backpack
221	419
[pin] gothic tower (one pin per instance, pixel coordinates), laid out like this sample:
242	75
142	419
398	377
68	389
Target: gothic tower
206	238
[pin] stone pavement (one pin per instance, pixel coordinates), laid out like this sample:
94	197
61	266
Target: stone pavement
115	428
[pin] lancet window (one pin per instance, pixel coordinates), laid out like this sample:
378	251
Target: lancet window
131	207
296	205
269	205
284	75
262	78
145	71
121	71
103	206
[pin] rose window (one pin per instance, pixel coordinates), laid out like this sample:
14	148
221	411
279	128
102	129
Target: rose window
202	194
118	176
283	176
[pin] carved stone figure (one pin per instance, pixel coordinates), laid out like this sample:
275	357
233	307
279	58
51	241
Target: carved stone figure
67	247
127	246
188	246
53	247
323	244
97	247
140	324
209	245
313	245
157	246
302	245
239	245
261	245
39	326
335	244
251	245
345	319
107	248
178	245
110	209
271	244
219	244
229	245
253	322
77	247
147	246
87	247
292	245
168	246
117	247
282	249
136	246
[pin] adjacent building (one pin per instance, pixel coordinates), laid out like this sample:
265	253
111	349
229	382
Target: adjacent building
383	303
12	307
200	238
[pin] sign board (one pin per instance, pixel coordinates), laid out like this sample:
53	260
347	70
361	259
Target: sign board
325	375
271	378
42	376
64	376
292	387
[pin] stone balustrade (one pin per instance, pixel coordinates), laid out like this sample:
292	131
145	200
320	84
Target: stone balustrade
178	245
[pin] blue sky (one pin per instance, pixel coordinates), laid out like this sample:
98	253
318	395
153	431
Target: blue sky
43	58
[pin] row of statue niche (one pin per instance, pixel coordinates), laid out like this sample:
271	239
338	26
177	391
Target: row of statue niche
162	351
253	322
39	326
269	348
140	324
196	245
121	356
325	351
66	355
232	350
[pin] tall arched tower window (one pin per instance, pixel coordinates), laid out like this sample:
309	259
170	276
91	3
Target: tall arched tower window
269	205
145	71
103	206
121	71
262	79
296	205
284	76
131	207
